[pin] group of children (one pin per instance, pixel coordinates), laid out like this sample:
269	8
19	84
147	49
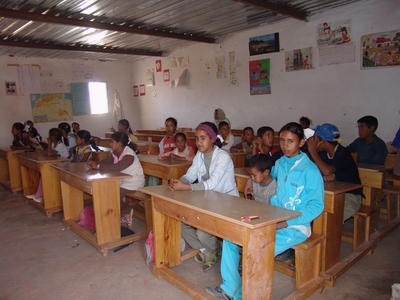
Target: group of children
290	176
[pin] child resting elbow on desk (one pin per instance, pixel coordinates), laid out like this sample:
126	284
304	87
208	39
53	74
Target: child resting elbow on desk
182	150
299	188
123	159
213	169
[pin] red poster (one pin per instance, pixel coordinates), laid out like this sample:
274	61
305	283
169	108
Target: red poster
142	91
158	65
135	91
166	75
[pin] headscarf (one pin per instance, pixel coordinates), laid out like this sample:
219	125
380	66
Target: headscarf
209	130
221	115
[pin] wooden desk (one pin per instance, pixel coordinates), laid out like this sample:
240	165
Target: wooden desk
33	164
100	155
218	214
238	158
164	169
77	179
10	171
373	178
147	137
145	147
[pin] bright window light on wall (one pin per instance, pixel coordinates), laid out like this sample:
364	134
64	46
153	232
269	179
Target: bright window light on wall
98	97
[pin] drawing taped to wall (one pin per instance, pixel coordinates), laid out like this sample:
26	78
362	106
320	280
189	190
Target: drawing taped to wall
259	72
298	59
380	50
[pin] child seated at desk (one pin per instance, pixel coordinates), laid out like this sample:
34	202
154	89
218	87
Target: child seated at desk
299	188
182	150
246	145
55	146
264	143
35	138
213	169
369	147
124	126
82	151
226	137
167	143
20	137
123	159
335	163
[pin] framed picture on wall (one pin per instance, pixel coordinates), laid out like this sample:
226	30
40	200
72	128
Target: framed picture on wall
11	88
262	44
259	73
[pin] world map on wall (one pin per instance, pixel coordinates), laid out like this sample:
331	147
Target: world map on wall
54	107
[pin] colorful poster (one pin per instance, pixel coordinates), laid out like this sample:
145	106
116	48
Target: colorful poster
298	59
259	71
158	65
52	107
380	50
264	44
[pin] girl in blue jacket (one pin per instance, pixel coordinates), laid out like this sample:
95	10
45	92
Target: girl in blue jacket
300	188
213	169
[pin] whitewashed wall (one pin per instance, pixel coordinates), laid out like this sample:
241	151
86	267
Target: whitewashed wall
338	94
18	109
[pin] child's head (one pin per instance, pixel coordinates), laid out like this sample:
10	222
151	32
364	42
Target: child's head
29	123
56	135
75	127
33	133
180	141
83	137
223	128
291	139
266	134
170	125
119	140
344	30
327	134
259	168
206	137
367	126
248	134
17	129
305	122
65	127
123	125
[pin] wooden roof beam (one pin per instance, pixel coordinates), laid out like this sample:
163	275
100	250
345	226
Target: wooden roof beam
276	8
36	17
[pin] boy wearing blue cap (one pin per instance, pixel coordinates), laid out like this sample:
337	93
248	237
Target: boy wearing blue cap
335	163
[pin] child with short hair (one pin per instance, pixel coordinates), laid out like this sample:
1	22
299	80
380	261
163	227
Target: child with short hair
212	169
264	143
182	150
305	122
75	127
20	137
369	147
299	188
122	158
226	137
82	152
263	186
246	145
167	143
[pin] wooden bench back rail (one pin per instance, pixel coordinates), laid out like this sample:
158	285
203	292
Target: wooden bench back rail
361	230
392	195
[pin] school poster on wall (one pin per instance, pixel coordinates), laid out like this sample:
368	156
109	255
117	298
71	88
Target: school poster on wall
52	107
259	72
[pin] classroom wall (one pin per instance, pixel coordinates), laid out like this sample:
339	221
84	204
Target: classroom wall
338	94
18	108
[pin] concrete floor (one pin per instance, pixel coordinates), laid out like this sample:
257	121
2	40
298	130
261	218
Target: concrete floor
42	259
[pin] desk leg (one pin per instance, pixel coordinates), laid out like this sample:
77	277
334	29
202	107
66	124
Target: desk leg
72	201
52	200
330	226
167	240
258	263
15	173
107	210
30	180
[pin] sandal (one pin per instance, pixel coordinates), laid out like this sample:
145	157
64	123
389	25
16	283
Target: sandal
292	265
286	255
127	219
200	258
210	260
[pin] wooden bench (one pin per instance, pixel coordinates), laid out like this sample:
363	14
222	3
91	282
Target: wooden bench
392	205
142	208
308	267
361	230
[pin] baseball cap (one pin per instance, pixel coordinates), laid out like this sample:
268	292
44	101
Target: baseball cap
328	132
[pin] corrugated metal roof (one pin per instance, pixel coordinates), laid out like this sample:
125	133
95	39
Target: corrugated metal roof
66	27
